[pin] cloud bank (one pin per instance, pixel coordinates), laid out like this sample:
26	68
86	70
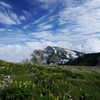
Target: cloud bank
18	53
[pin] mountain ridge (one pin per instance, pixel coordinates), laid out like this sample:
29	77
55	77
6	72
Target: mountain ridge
91	59
54	55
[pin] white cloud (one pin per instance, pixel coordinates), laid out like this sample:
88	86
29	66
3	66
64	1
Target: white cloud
92	45
48	3
5	29
22	18
83	24
49	26
8	17
43	35
9	30
2	29
40	19
5	5
44	26
14	17
63	31
11	37
84	18
26	26
50	36
36	22
27	14
17	53
14	53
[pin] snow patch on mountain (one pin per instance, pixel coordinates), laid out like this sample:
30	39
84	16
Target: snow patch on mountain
55	55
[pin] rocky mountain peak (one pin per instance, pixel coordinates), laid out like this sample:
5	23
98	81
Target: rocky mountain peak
55	55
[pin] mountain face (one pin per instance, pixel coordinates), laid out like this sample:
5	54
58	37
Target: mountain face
54	55
92	59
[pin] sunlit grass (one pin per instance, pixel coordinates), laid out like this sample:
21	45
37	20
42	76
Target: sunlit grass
43	82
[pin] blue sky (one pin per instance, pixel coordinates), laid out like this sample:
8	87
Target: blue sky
26	25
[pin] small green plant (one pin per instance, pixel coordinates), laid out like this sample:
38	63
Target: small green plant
15	93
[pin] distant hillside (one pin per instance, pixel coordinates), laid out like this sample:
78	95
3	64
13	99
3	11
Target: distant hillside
92	59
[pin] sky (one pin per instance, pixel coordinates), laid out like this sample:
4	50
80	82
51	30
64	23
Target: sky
26	25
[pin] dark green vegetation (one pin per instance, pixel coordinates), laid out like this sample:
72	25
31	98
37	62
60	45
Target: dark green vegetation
41	82
87	60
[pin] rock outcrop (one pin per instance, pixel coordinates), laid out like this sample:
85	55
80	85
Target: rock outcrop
54	55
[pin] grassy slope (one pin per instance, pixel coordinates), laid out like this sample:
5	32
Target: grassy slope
37	82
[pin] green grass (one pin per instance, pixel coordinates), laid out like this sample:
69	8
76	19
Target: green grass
43	82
